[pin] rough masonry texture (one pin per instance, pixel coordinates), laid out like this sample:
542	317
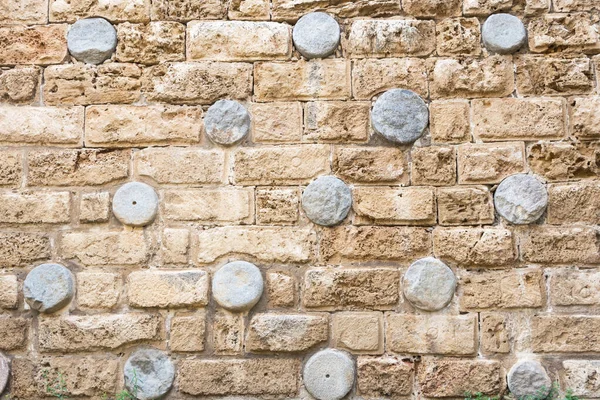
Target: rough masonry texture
412	186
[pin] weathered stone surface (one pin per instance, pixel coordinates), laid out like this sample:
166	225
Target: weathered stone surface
187	333
290	10
474	246
92	40
338	289
572	287
546	76
210	206
585	118
250	9
187	10
9	291
149	373
390	206
358	332
135	204
38	44
373	76
278	206
563	32
450	121
11	168
327	200
521	199
565	198
384	377
429	284
194	166
21	248
400	116
494	335
431	334
227	122
175	245
105	248
574	5
465	205
483	8
489	163
435	165
48	288
14	332
337	121
282	289
237	286
559	245
94	207
528	378
286	332
23	12
564	161
316	35
458	36
371	164
152	43
580	377
279	122
228	332
74	333
503	33
329	374
35	207
432	8
565	334
19	84
115	11
165	289
98	290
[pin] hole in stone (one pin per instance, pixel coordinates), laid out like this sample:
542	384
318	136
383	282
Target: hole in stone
134	203
327	376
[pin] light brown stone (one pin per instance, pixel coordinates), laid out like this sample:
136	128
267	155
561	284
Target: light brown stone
573	32
563	199
435	165
573	287
228	333
194	166
250	9
574	5
23	11
536	7
115	11
581	377
546	76
494	335
286	332
560	245
175	246
474	246
276	122
291	10
565	334
432	8
187	332
98	289
337	121
38	44
14	332
210	206
373	76
94	207
151	43
11	168
282	289
384	377
166	289
35	207
105	247
22	248
564	161
458	36
187	10
585	118
19	84
465	205
450	121
489	163
9	291
390	206
277	206
358	332
371	164
482	8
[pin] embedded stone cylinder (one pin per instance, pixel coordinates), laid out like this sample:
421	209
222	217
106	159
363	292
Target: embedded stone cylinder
521	199
237	286
399	115
149	374
329	374
135	204
429	284
227	122
327	200
316	35
503	33
92	40
48	287
528	378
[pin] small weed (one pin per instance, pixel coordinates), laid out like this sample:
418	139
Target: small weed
125	394
57	388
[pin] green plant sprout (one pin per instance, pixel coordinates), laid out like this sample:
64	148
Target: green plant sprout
56	388
125	394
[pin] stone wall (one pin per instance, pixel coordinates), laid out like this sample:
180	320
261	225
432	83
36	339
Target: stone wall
458	250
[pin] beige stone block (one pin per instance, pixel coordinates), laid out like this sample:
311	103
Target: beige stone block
574	5
458	36
291	10
573	287
358	332
115	11
23	11
549	76
194	166
432	8
228	333
187	332
435	166
286	332
536	7
11	168
282	289
38	44
35	207
371	164
21	248
332	121
374	76
560	245
20	84
489	163
474	246
564	199
465	205
564	161
390	206
584	118
580	377
168	289
565	334
105	247
278	122
151	43
384	377
187	10
495	337
450	121
98	290
277	206
94	207
441	377
175	246
210	206
483	8
9	291
573	32
250	9
14	332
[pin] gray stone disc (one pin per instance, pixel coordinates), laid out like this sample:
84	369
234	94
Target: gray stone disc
4	371
92	40
135	204
316	35
429	284
48	287
399	115
327	200
503	33
237	286
149	374
528	378
329	374
521	199
227	122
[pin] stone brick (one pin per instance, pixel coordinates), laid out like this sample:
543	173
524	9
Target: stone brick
14	332
94	207
432	8
371	164
282	244
474	246
339	289
98	289
187	332
516	288
472	77
73	333
350	243
250	9
546	76
564	161
280	165
581	376
450	121
210	206
390	206
175	245
358	332
573	287
187	10
519	119
432	334
535	7
277	122
76	167
489	163
390	38
11	167
282	289
565	334
9	291
151	43
574	5
291	10
482	8
197	82
585	119
105	248
228	333
494	335
23	12
83	84
563	199
166	289
465	206
21	248
39	44
35	207
116	11
373	76
19	84
302	80
257	376
557	245
435	165
384	377
286	333
277	206
458	36
41	125
337	121
238	41
573	32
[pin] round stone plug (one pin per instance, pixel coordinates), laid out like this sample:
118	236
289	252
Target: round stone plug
429	284
237	286
48	287
528	378
316	35
149	374
521	199
401	116
92	40
4	372
327	200
135	204
503	33
227	122
329	374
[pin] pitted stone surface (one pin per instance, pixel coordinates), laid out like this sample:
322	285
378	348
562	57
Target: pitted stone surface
521	199
400	116
92	40
329	374
528	378
237	286
327	200
149	374
503	33
429	284
48	287
227	122
4	372
316	35
135	204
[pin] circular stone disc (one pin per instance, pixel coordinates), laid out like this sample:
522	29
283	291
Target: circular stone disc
149	374
429	284
327	200
227	122
4	372
528	378
503	33
316	35
400	116
135	204
48	287
237	286
92	40
521	199
329	374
